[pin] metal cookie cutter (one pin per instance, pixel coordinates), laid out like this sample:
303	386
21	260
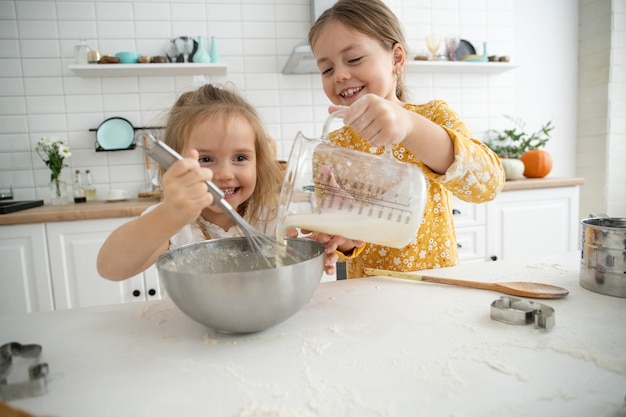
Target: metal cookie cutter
37	371
513	310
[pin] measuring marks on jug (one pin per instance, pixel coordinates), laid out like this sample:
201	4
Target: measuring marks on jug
354	216
360	200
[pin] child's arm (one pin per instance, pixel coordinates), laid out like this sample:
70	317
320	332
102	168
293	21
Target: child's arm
136	245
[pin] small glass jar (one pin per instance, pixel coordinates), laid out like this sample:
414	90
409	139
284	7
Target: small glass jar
80	52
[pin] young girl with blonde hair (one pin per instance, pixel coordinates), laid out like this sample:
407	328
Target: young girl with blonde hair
223	140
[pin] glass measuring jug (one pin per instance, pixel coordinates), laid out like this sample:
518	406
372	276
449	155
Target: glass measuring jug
350	193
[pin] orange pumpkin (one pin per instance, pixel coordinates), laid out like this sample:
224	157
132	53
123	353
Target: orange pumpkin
537	163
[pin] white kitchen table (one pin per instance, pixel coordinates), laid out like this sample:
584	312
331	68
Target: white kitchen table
369	347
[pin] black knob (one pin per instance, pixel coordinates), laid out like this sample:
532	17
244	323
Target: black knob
151	291
459	246
494	258
136	293
456	211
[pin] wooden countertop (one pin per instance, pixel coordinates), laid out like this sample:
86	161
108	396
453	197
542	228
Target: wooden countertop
82	211
129	208
548	182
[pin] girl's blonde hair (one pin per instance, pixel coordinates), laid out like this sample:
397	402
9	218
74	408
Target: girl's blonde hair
210	101
371	18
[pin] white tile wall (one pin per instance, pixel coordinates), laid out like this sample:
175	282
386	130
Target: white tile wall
601	147
40	96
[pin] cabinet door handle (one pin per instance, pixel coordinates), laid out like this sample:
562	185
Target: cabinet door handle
136	293
456	211
151	291
458	245
493	258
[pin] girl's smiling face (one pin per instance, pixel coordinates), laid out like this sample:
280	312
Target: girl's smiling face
353	64
227	145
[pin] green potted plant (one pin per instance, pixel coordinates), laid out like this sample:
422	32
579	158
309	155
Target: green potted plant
521	153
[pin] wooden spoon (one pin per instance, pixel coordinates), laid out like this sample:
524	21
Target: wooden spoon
520	289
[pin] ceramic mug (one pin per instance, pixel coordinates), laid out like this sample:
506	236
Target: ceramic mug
117	195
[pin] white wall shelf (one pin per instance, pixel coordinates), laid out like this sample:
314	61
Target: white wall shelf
458	67
129	70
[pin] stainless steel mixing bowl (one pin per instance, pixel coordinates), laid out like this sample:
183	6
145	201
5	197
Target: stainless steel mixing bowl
225	285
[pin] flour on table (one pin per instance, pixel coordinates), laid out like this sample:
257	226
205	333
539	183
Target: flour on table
544	266
257	410
565	347
158	311
313	346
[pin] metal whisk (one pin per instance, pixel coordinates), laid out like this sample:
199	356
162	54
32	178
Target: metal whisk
274	252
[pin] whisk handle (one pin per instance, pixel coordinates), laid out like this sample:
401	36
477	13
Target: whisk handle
166	156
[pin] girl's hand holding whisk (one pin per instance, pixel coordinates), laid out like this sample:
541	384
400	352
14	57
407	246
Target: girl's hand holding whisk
185	192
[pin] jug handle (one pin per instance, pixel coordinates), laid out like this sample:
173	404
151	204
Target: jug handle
339	114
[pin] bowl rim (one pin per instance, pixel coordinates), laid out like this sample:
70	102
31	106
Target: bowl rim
168	255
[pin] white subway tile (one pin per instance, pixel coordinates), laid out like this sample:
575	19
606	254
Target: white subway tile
38	29
83	103
11	86
35	10
188	12
14	124
79	85
154	30
258	13
41	48
7	10
121	102
78	29
9	48
8	30
41	67
151	11
47	124
264	99
45	104
260	64
188	28
76	10
224	12
120	85
114	11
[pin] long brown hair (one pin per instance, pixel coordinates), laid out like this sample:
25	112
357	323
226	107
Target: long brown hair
371	18
209	101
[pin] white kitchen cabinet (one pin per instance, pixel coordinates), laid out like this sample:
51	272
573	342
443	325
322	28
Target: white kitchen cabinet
469	224
518	224
26	284
73	249
533	222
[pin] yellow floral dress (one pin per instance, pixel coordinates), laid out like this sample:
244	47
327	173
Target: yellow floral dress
476	176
